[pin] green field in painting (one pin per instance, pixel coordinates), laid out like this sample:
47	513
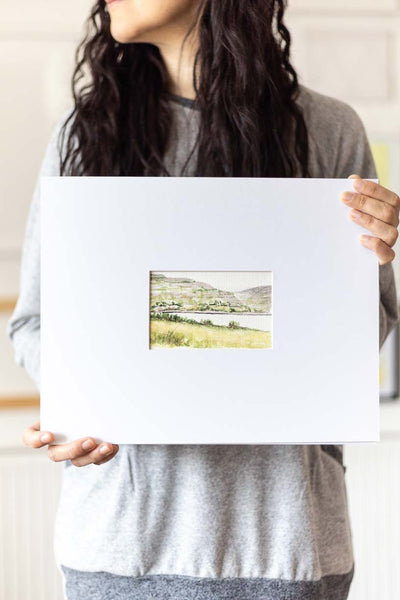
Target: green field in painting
165	333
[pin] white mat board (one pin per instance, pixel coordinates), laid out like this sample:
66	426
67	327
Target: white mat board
100	238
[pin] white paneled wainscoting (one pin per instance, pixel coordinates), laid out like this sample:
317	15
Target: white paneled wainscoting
29	491
373	488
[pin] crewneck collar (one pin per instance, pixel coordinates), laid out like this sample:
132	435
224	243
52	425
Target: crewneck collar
188	102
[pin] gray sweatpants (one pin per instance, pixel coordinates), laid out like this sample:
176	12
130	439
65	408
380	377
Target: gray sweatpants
100	585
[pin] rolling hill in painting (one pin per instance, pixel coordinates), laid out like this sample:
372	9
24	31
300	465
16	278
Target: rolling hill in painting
183	294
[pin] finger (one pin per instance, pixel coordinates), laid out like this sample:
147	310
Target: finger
102	451
382	250
387	233
72	450
114	452
354	176
381	210
375	190
33	437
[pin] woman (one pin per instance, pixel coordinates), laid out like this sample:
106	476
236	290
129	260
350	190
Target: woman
205	88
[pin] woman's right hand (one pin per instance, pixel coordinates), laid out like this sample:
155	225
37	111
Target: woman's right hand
80	452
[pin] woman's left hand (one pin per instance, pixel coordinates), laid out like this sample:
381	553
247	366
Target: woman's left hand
376	208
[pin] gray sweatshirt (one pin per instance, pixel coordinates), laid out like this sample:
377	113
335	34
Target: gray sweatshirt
208	522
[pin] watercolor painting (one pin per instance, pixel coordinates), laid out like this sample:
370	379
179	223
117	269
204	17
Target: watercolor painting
210	309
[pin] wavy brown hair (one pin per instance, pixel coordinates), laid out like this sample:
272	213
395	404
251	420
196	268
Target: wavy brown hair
250	124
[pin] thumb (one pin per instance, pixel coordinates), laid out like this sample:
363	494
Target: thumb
354	177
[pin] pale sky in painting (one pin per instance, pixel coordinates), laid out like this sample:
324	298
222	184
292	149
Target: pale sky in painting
230	281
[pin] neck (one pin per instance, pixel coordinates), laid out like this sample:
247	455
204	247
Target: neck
179	62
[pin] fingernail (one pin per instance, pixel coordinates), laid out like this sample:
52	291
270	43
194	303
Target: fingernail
87	444
355	215
347	196
45	437
105	450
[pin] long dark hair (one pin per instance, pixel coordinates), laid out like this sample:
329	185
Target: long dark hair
250	124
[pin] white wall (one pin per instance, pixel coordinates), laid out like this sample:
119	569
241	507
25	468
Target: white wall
37	41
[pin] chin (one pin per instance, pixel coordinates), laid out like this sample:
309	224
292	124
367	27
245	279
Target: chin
123	34
127	25
150	21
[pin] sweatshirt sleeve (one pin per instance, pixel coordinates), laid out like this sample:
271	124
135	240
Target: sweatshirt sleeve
23	327
355	157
